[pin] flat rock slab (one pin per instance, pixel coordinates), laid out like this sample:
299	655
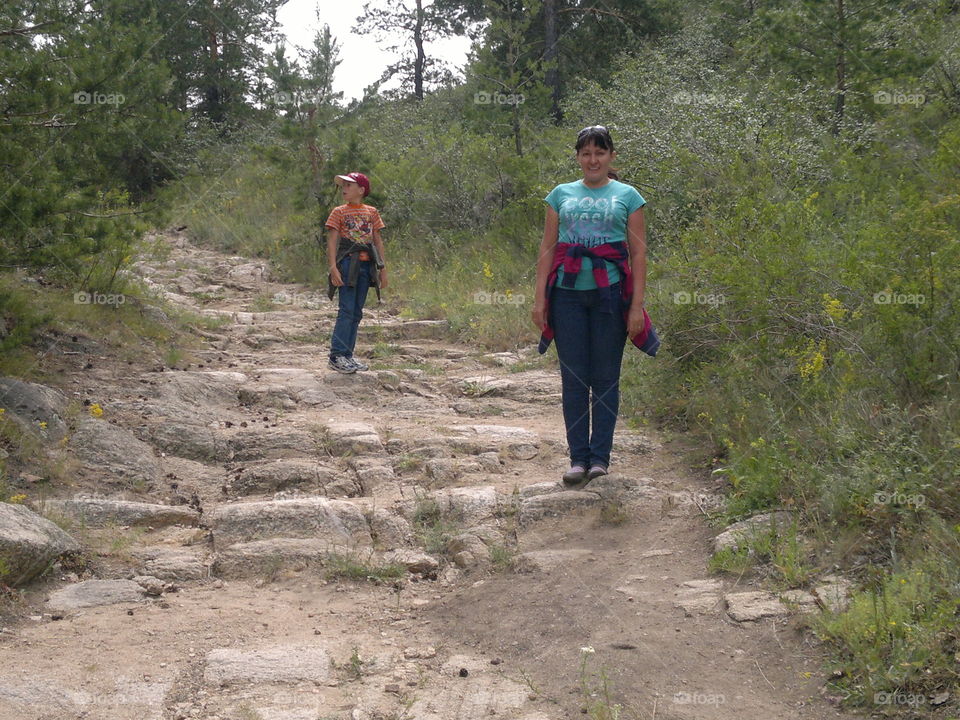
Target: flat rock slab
517	442
29	543
413	560
333	521
33	698
547	560
541	488
273	475
97	512
834	592
173	563
530	386
269	443
480	695
286	387
556	504
740	532
263	558
469	505
279	664
93	593
699	597
754	605
350	438
114	452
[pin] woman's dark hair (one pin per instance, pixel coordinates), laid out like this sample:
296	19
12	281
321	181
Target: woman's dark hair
596	135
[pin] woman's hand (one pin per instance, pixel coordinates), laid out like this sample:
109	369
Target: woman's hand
539	316
635	322
335	277
383	278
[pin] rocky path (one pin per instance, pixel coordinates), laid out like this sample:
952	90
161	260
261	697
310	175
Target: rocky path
271	540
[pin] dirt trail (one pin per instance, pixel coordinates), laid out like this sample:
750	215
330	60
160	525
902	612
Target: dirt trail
518	601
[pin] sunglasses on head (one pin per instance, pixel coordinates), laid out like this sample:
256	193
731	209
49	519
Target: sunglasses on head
587	129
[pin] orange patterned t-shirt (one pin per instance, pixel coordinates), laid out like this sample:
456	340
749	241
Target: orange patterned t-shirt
355	223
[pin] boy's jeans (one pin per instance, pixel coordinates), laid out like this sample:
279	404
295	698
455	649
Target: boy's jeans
352	300
590	346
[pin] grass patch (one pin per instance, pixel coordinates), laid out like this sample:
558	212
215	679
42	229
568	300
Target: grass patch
899	635
780	553
434	530
340	566
503	557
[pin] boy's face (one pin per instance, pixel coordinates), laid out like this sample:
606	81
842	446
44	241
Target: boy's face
351	191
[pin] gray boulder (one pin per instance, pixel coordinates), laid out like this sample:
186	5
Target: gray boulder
29	544
30	404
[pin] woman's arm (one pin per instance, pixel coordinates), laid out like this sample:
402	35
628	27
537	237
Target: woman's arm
637	242
548	246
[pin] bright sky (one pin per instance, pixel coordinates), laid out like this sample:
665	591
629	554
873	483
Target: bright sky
363	59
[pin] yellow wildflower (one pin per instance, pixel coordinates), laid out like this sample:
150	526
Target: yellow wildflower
96	410
487	272
813	361
18	499
834	308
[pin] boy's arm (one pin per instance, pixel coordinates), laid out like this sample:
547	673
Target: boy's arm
333	240
378	244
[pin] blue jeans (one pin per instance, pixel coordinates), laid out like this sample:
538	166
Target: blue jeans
352	300
590	346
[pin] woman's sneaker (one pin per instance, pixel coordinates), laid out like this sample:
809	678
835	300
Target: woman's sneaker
576	474
342	364
357	364
596	470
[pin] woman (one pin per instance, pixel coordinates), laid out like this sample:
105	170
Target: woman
591	276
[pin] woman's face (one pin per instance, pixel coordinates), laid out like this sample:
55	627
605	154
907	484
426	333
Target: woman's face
595	163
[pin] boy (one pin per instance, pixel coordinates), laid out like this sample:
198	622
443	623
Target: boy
355	258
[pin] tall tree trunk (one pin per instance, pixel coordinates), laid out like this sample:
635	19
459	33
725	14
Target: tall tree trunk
213	97
420	62
840	95
550	56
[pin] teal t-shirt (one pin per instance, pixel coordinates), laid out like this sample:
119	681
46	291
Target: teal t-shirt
591	217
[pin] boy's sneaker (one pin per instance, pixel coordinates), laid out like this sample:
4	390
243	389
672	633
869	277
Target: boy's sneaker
341	364
357	364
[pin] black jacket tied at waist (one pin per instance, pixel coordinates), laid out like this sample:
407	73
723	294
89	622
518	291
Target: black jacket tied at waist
352	252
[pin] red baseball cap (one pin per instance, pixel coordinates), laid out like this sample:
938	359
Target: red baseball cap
359	178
